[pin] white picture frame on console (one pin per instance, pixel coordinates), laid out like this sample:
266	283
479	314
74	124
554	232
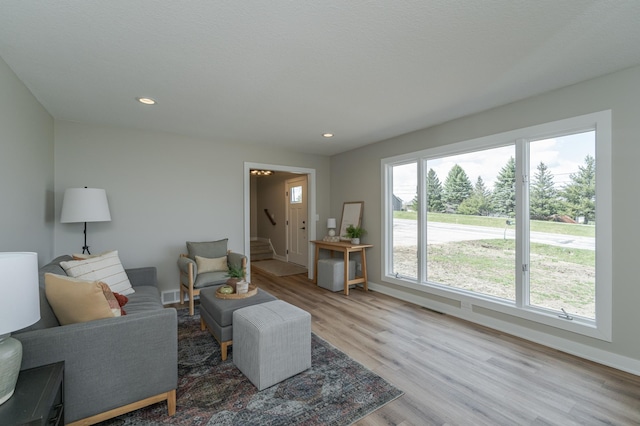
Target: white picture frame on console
351	215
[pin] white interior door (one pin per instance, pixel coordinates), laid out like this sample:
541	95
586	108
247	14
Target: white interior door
297	221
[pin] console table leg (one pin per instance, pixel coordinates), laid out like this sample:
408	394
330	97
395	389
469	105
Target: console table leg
364	269
346	272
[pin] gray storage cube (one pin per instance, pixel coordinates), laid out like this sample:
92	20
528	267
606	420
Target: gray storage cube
331	273
271	342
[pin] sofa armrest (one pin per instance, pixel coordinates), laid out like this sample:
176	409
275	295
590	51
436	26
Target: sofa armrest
143	276
111	362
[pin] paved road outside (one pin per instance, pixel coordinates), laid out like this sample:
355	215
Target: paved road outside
405	233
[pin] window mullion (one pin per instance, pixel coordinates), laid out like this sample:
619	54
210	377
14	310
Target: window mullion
421	190
388	219
522	223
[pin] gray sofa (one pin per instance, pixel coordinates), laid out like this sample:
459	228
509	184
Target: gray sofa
114	365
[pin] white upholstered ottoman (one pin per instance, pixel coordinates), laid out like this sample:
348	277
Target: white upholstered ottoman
271	342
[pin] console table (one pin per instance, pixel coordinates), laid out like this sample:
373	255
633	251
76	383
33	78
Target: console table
345	247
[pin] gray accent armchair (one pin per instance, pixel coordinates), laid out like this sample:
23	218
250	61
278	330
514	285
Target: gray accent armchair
191	282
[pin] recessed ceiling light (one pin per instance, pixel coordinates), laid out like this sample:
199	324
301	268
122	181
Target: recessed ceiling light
327	135
146	101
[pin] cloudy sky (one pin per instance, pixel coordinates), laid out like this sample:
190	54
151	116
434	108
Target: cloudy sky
562	156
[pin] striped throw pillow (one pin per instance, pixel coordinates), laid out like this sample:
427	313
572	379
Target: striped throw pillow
106	268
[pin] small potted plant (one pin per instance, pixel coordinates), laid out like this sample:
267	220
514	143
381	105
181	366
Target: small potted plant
235	274
355	232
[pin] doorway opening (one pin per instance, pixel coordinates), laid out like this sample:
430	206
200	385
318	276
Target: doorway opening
280	214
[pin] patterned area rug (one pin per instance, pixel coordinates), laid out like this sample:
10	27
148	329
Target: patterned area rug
278	267
336	390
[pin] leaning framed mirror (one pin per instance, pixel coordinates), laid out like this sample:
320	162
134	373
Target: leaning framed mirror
351	215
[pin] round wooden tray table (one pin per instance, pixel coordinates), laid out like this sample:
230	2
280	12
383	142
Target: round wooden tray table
253	290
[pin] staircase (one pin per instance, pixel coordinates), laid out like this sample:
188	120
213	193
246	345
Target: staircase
261	250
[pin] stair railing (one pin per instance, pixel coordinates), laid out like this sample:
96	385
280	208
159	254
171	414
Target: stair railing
270	216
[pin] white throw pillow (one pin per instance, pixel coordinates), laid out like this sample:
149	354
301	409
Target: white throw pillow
218	264
105	267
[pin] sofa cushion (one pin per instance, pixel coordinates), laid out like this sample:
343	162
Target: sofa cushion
210	278
210	249
146	298
75	300
218	264
106	268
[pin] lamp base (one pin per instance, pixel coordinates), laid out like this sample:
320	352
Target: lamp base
10	361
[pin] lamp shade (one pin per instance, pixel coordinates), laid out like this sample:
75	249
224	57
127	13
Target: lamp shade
331	223
19	293
19	308
85	205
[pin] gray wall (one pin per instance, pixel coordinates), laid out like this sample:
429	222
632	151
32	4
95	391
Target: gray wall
26	170
356	175
163	190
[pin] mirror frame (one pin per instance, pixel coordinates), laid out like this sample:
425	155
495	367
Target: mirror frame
351	215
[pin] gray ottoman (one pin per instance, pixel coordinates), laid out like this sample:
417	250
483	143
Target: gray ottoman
216	314
272	342
331	273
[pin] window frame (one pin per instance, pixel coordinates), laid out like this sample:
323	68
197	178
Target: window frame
600	327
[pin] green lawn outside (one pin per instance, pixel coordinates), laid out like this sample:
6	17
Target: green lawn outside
560	277
500	222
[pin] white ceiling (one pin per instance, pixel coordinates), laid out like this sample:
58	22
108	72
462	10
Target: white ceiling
280	73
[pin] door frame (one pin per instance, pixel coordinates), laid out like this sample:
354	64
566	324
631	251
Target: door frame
311	206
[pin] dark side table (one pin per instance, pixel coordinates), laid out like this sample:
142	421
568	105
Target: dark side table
38	398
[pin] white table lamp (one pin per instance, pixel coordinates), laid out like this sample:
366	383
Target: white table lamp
19	308
331	225
85	205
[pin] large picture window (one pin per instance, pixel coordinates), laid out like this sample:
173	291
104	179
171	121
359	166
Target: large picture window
518	222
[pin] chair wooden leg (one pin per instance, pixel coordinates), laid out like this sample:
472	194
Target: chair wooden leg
191	301
171	402
203	325
181	294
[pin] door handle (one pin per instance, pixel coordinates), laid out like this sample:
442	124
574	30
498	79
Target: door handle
303	228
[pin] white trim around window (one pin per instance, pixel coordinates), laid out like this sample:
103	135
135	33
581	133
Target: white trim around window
599	327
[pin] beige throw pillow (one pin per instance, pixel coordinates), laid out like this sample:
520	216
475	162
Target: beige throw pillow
83	256
105	267
218	264
74	300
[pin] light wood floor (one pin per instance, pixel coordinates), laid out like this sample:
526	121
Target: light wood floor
457	373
